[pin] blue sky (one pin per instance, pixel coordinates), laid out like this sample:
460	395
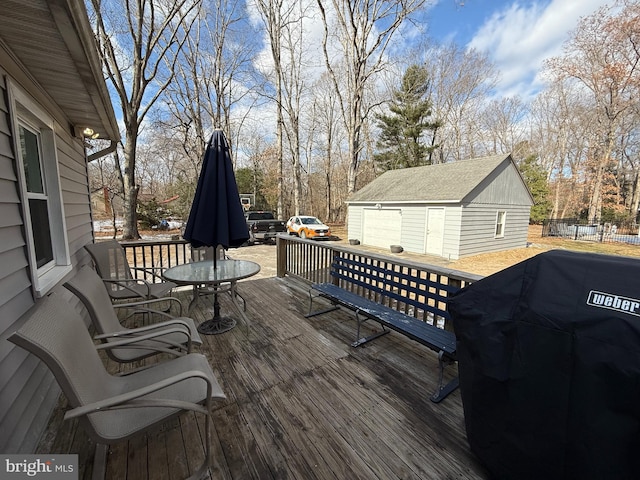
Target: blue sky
517	35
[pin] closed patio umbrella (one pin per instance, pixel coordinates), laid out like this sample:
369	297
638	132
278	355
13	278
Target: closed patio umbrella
216	217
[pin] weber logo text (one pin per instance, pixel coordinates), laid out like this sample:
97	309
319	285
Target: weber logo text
55	467
614	302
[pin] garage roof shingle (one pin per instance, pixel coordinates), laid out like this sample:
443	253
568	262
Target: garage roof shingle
446	182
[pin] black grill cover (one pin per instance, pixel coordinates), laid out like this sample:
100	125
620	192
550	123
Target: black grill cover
549	365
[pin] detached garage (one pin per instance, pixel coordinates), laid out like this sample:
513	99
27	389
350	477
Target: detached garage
451	210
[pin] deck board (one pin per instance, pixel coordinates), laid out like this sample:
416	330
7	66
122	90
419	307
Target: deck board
302	404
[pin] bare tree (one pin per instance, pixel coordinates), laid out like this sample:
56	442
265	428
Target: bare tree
135	38
276	14
294	89
553	135
324	140
630	158
461	81
105	179
503	122
363	30
603	58
211	77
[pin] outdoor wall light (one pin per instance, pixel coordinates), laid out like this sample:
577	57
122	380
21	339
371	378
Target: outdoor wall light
88	132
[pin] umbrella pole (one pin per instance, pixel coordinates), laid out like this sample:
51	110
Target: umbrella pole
216	303
217	324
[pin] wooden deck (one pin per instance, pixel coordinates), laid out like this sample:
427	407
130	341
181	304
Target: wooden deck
301	404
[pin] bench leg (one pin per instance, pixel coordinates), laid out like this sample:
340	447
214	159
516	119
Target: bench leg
443	390
360	340
319	312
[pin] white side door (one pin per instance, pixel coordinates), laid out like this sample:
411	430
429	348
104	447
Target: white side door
435	231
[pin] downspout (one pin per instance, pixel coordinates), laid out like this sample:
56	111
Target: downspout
105	151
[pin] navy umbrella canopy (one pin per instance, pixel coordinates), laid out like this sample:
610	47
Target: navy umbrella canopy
217	216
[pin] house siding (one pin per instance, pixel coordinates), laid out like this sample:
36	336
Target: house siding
21	374
74	183
28	391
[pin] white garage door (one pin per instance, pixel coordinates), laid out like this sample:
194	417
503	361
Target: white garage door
381	227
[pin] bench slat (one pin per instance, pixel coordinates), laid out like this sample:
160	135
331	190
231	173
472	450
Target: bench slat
429	335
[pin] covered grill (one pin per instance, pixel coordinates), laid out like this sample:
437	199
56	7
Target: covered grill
549	365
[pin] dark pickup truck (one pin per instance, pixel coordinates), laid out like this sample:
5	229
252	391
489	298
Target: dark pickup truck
263	226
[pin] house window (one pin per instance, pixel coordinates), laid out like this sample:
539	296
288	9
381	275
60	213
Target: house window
36	193
501	218
44	222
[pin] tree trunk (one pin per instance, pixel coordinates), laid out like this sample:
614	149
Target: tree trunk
354	151
279	133
594	201
130	228
635	198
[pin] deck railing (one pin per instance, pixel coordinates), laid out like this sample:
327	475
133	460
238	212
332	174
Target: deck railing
311	261
156	254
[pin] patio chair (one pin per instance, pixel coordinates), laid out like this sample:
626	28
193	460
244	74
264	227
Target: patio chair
174	336
113	267
113	409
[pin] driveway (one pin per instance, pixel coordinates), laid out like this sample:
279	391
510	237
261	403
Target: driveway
265	256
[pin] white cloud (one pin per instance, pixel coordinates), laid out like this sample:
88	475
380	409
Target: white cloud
519	37
312	64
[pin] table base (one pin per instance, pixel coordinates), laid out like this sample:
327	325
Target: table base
216	326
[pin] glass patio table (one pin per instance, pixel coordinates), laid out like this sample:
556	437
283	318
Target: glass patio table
221	279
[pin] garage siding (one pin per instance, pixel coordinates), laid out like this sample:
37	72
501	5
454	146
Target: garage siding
413	228
505	188
477	229
354	222
452	220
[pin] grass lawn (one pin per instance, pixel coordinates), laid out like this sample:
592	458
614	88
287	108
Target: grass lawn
488	263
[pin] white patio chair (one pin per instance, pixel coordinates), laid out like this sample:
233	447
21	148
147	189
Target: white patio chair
113	409
113	267
174	335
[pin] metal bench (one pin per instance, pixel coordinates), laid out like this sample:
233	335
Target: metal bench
401	288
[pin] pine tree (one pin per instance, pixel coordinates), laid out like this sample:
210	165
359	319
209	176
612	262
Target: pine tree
535	177
401	142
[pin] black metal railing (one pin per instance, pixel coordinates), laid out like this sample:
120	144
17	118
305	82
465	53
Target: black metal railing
594	231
